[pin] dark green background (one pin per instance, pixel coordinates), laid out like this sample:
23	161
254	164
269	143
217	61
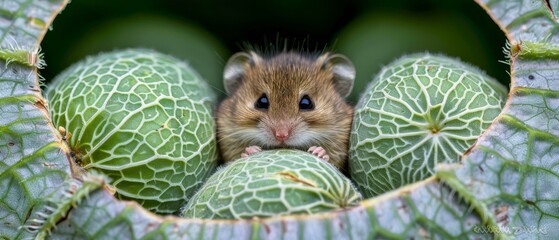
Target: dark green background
206	33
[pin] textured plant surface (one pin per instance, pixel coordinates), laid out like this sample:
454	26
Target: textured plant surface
420	110
32	162
505	186
273	183
142	118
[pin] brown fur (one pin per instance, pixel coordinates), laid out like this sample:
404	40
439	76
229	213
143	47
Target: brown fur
285	78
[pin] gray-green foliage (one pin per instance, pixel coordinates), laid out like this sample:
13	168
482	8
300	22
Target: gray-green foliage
32	164
142	118
504	187
272	183
419	111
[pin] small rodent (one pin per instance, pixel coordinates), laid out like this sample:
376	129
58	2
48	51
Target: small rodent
287	100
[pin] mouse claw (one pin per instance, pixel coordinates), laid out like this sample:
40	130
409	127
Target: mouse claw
251	150
319	152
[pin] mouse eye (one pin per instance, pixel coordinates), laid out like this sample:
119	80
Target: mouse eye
306	103
262	103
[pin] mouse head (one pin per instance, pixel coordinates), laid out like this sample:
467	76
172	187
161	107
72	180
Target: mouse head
289	97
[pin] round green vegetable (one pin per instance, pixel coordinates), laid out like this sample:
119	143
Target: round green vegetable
270	183
419	111
142	118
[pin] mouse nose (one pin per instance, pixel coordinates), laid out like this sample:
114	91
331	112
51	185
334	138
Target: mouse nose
282	134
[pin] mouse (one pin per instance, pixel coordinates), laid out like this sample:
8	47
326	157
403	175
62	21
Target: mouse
289	100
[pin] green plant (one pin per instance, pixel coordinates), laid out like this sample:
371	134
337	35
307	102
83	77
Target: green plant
507	179
419	111
142	118
272	183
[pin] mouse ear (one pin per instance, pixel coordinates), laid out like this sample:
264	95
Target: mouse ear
235	69
344	73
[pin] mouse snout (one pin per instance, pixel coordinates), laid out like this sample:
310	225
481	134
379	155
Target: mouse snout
281	133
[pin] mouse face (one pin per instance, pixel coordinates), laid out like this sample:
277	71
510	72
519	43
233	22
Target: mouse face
288	100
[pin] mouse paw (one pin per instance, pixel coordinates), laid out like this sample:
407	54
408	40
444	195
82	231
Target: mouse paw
251	150
319	152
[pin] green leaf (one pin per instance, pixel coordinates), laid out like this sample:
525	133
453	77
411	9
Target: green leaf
32	162
513	170
426	209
